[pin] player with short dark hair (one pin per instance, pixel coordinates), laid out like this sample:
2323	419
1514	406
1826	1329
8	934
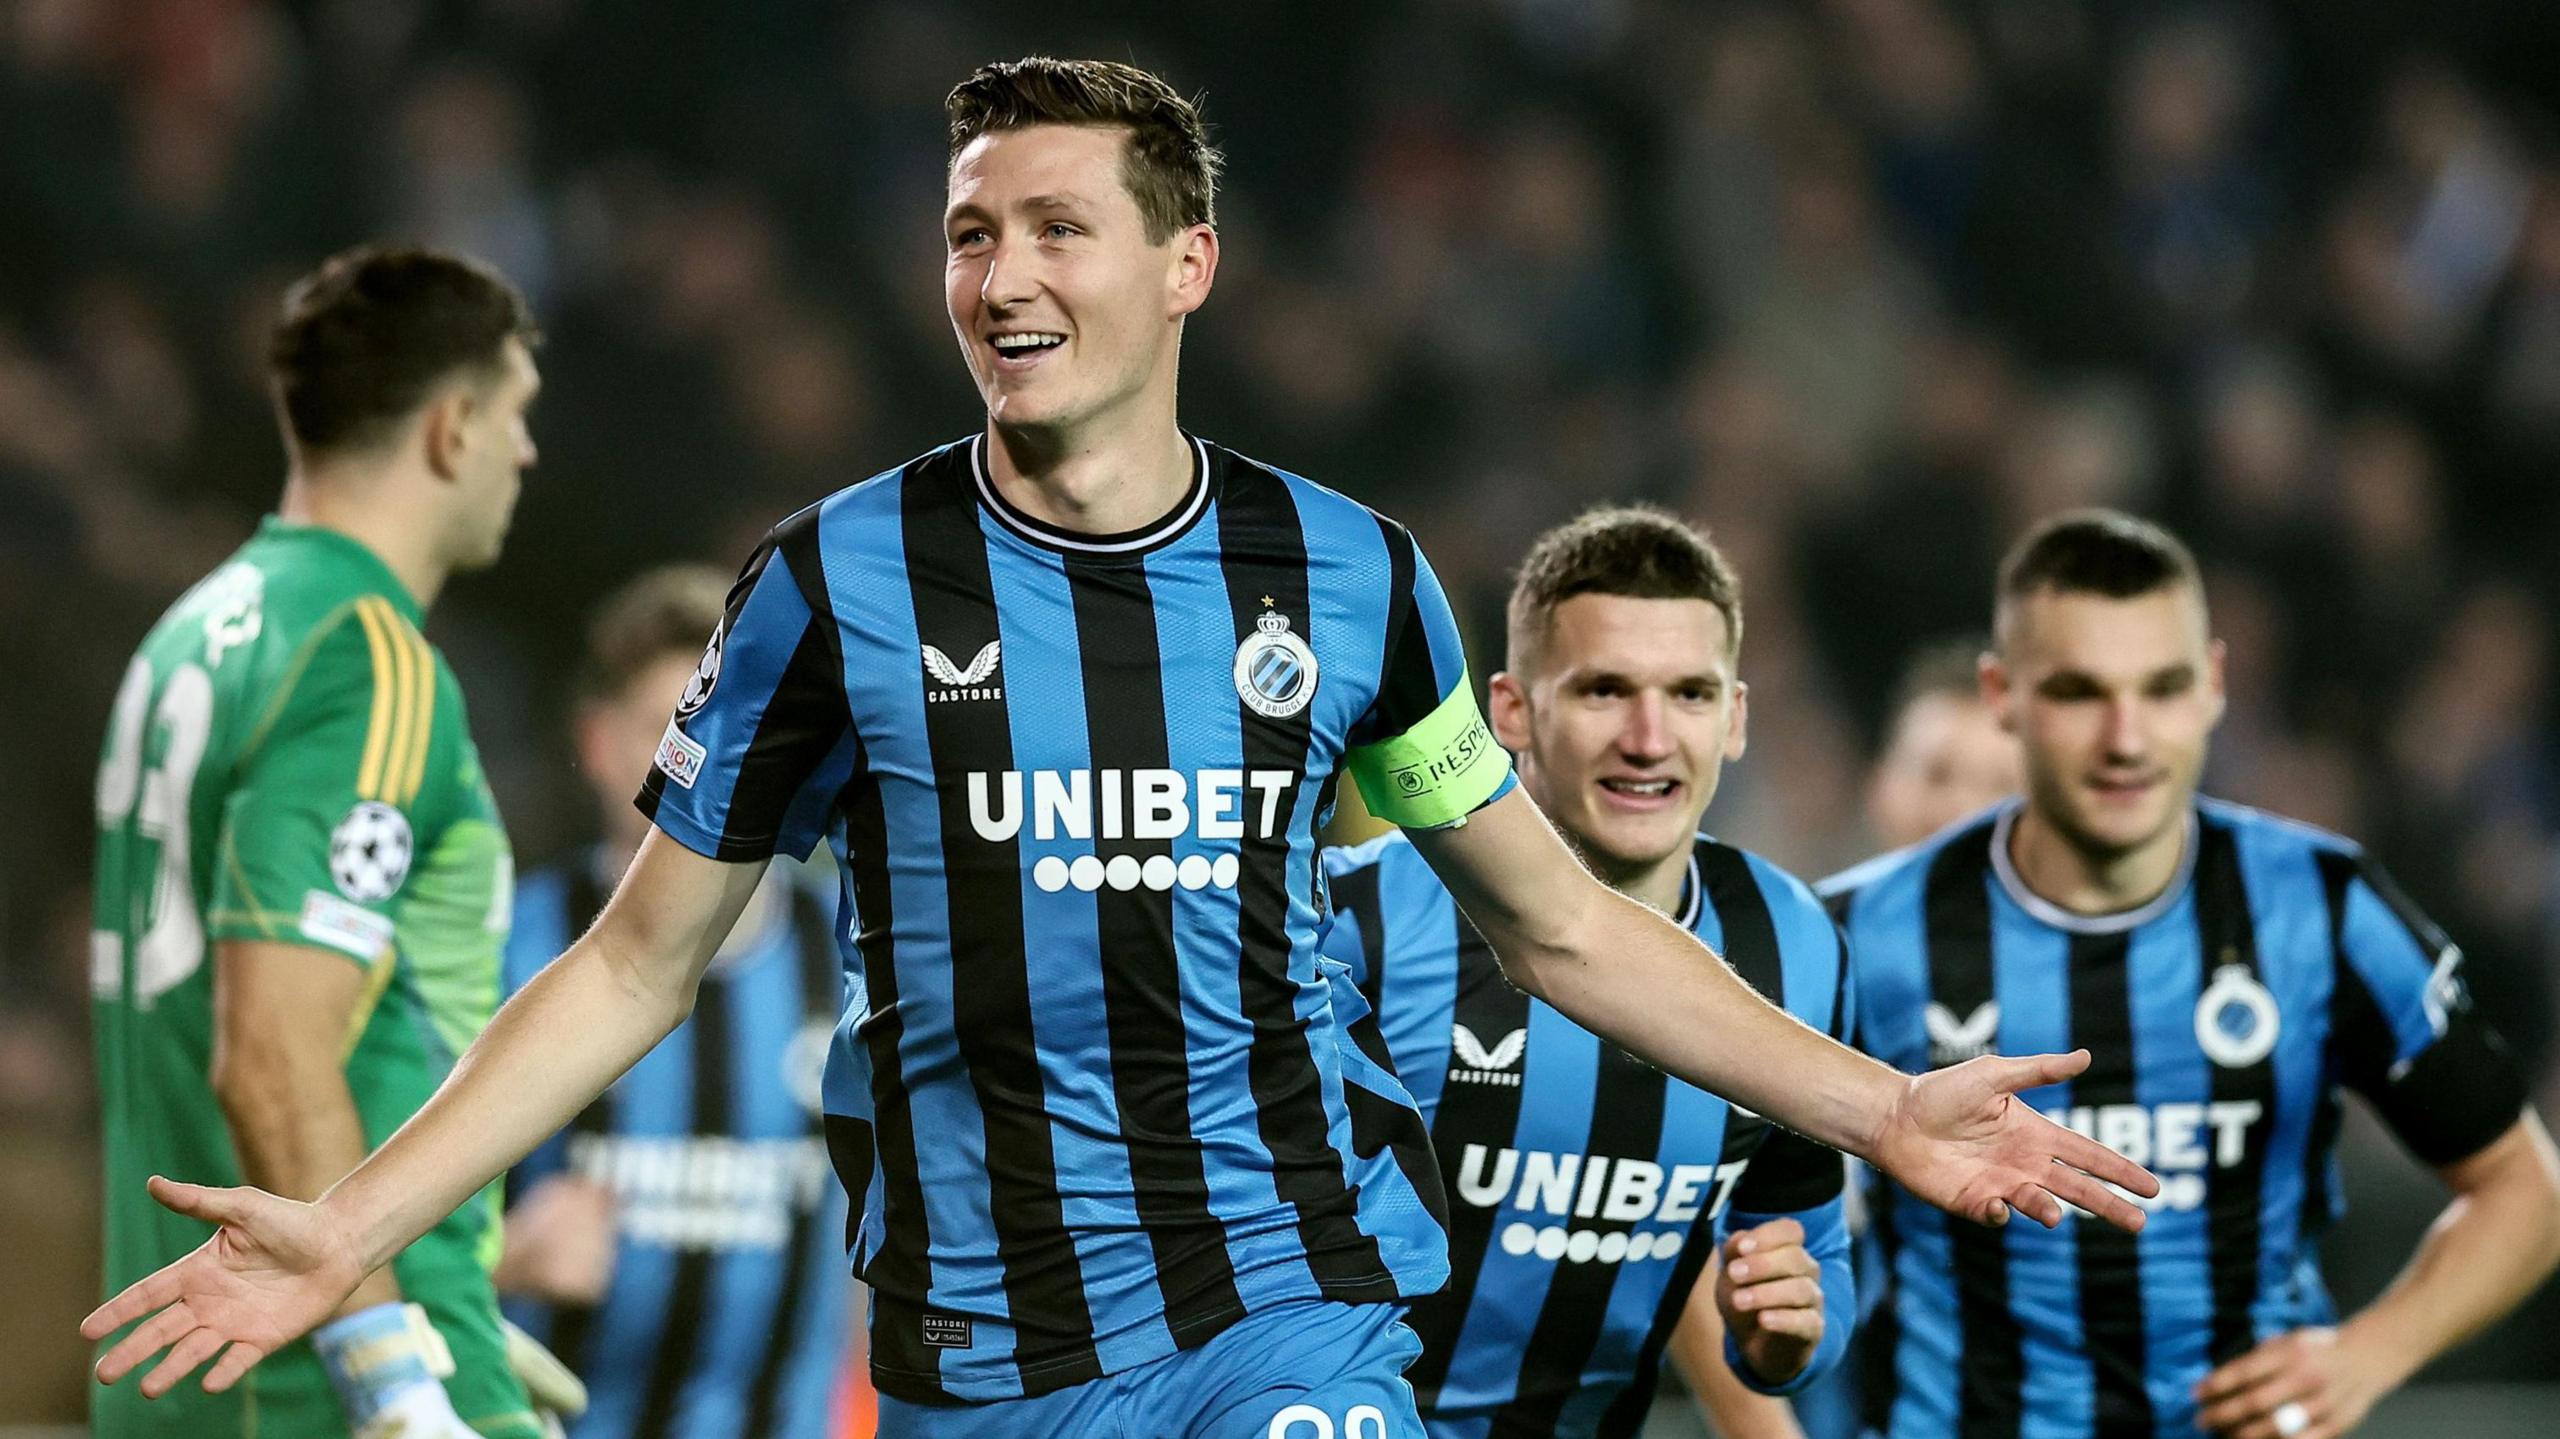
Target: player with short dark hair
301	878
1591	1192
1071	697
681	1244
2230	972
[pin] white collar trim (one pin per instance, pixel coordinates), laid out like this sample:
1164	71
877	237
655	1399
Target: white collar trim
2045	911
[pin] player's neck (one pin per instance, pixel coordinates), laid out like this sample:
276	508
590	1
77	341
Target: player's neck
2084	881
1106	478
1656	886
356	510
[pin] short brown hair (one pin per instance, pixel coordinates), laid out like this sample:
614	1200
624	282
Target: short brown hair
1947	667
666	613
2094	552
1637	551
365	337
1170	167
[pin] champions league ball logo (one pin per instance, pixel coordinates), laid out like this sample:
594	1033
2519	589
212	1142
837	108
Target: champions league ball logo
369	852
697	690
1275	671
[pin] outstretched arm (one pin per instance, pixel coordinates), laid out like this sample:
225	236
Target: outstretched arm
277	1267
1958	1137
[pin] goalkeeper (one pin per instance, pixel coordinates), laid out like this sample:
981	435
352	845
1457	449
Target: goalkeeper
301	883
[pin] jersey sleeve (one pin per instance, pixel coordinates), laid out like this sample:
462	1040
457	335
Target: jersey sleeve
2407	1035
322	826
1422	756
761	737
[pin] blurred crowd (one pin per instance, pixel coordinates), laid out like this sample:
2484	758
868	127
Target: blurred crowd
1863	284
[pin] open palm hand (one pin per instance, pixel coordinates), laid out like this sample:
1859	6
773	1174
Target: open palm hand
1961	1139
273	1272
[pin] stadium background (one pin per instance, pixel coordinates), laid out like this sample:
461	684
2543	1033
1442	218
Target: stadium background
1862	284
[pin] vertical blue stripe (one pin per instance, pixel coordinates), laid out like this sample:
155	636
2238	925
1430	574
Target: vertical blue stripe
1693	1132
1887	931
746	1280
2031	978
1044	702
2164	971
1421	991
884	669
2290	907
1511	1289
653	1100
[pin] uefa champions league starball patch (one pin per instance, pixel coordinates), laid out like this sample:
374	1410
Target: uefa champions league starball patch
370	851
706	675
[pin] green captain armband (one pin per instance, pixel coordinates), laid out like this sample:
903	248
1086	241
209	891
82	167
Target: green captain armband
1437	772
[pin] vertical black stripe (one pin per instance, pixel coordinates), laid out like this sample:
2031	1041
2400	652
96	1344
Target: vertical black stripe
2356	1029
898	1272
573	1325
1141	974
1958	917
820	975
804	716
1480	1107
685	1322
2109	1260
947	572
1263	550
1409	689
1626	1123
1355	893
1880	1344
1734	896
2227	938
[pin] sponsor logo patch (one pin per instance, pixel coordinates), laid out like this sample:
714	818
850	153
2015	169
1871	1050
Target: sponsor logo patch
969	682
340	925
949	1331
1478	1064
1953	1040
680	756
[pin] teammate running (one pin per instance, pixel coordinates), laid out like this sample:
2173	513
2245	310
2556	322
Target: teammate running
2230	972
1592	1190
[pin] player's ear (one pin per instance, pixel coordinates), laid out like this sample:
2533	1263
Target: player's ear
1992	674
2214	693
1738	737
444	429
1195	269
1508	701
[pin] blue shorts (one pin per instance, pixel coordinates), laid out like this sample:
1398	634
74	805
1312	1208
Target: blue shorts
1306	1369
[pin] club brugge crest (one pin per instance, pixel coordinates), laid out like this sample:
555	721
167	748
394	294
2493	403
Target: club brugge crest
2236	1019
1275	671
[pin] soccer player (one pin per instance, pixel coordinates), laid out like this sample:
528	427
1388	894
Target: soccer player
2230	972
1945	755
1070	697
301	880
1591	1190
681	1244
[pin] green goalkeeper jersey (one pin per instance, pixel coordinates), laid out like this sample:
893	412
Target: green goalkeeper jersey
287	760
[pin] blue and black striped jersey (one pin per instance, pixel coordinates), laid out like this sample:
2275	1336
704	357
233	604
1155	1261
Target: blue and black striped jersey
727	1310
1095	1107
2222	1018
1589	1190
